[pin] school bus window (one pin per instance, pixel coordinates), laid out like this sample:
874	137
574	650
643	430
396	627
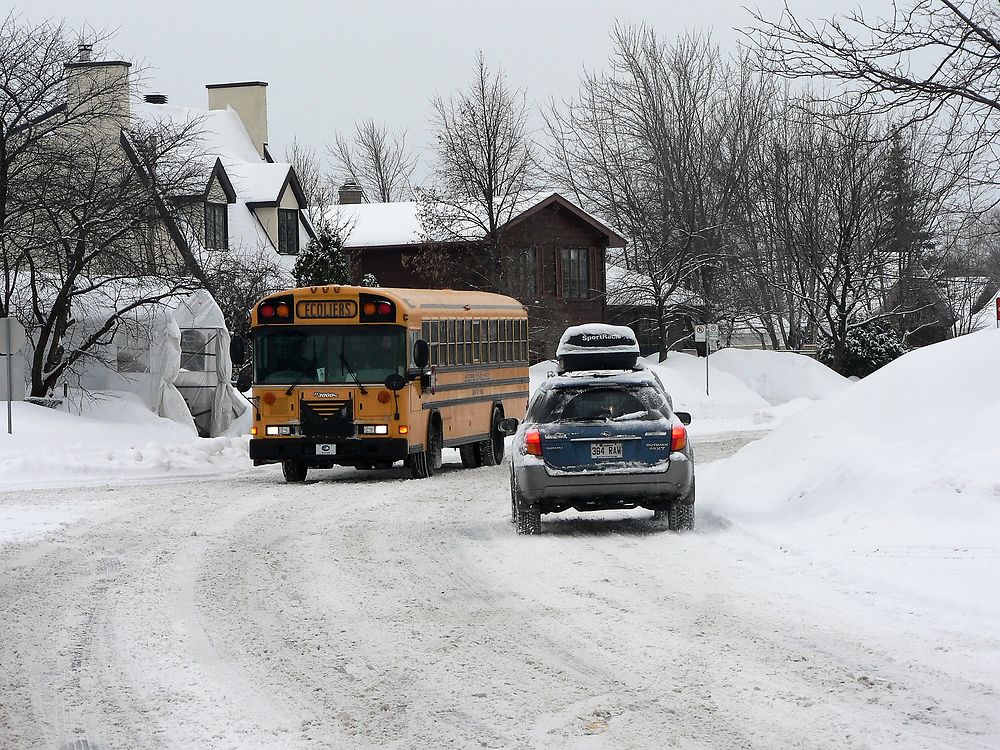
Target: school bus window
452	356
493	340
433	341
508	339
474	343
460	342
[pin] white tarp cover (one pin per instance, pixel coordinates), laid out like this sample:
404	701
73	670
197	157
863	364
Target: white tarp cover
200	311
164	364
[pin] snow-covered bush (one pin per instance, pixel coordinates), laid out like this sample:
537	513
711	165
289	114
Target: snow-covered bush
323	260
871	345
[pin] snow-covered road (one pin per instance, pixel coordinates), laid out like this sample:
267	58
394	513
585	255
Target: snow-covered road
363	609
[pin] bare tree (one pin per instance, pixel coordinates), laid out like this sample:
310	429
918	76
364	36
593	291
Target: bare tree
34	112
317	186
379	162
927	59
486	168
85	195
659	145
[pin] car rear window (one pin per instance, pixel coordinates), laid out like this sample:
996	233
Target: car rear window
600	404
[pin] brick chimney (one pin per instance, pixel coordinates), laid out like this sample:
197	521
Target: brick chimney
350	193
99	88
249	99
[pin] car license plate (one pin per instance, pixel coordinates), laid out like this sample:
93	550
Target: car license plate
326	449
605	450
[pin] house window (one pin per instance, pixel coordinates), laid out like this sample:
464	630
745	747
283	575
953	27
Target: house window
288	231
216	226
575	270
522	273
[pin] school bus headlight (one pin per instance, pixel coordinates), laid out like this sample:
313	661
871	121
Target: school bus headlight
253	430
279	429
374	429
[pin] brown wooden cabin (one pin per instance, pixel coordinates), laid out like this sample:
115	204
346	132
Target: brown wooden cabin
556	254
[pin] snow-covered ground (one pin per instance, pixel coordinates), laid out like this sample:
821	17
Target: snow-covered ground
839	590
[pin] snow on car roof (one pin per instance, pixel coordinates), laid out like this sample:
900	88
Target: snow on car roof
593	338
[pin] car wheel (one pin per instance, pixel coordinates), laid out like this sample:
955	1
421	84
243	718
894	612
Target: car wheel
470	455
680	512
491	451
528	521
294	470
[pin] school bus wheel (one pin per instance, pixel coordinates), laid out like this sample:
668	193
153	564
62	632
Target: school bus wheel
491	450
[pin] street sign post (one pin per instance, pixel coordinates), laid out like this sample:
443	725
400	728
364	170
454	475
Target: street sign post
998	312
12	338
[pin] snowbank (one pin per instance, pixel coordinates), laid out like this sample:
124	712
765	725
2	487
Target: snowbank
115	437
898	476
779	377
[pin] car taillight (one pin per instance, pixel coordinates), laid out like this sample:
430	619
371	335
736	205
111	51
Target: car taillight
533	442
678	438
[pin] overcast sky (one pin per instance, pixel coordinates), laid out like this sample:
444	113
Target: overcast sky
329	64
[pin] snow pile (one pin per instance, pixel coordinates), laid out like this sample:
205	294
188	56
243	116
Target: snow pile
898	475
779	377
114	437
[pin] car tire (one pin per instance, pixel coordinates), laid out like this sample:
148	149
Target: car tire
490	451
294	470
470	455
423	465
680	512
528	521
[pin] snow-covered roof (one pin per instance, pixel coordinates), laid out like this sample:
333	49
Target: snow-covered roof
221	136
377	224
391	224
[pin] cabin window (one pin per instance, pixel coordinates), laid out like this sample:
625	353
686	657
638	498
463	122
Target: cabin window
522	273
288	231
216	226
575	272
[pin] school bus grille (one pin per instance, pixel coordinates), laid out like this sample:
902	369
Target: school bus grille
334	419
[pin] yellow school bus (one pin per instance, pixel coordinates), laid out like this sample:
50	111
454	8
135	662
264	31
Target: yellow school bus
368	377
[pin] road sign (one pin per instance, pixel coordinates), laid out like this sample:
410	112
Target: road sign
13	328
12	338
700	332
713	330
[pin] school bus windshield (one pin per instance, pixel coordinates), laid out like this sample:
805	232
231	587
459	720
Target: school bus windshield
311	355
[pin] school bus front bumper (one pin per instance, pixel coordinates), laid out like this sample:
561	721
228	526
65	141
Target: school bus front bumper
322	452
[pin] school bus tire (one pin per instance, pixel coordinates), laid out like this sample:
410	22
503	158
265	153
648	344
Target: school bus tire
470	455
424	464
294	470
491	451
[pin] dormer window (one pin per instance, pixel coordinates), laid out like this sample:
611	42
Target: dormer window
288	231
216	226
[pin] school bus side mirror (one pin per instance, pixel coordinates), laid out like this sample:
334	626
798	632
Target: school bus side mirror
421	353
395	382
243	382
237	350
